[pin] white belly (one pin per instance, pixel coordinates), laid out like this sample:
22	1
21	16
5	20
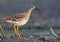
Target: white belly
19	23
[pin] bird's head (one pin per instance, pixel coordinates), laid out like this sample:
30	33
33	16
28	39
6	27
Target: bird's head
32	7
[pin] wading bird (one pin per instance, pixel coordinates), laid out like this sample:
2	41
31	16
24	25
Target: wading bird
20	19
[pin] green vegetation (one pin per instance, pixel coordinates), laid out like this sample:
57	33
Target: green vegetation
55	35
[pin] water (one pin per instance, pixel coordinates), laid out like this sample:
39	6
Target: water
25	32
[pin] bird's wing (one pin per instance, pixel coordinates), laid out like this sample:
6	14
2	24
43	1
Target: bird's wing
15	17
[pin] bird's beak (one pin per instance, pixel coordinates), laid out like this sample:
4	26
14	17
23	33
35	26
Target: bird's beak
36	8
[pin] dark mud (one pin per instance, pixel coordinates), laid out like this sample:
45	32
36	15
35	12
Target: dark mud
34	38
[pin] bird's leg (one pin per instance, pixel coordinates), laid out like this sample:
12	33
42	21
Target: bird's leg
15	30
18	33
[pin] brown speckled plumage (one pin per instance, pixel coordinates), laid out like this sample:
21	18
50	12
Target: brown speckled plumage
20	19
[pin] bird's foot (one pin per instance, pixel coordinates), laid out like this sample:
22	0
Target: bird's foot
18	35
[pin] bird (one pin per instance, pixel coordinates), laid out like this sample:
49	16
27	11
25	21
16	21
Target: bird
20	19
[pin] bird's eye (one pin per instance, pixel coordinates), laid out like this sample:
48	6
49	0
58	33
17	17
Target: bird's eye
31	6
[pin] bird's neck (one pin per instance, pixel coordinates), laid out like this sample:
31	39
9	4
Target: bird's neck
29	11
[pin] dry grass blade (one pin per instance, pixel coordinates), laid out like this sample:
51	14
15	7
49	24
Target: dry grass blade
2	33
55	35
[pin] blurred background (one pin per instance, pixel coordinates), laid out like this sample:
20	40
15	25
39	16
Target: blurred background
39	22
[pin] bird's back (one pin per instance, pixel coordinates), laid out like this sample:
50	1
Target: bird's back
20	18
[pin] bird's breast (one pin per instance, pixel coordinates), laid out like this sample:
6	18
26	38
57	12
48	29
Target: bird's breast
23	22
